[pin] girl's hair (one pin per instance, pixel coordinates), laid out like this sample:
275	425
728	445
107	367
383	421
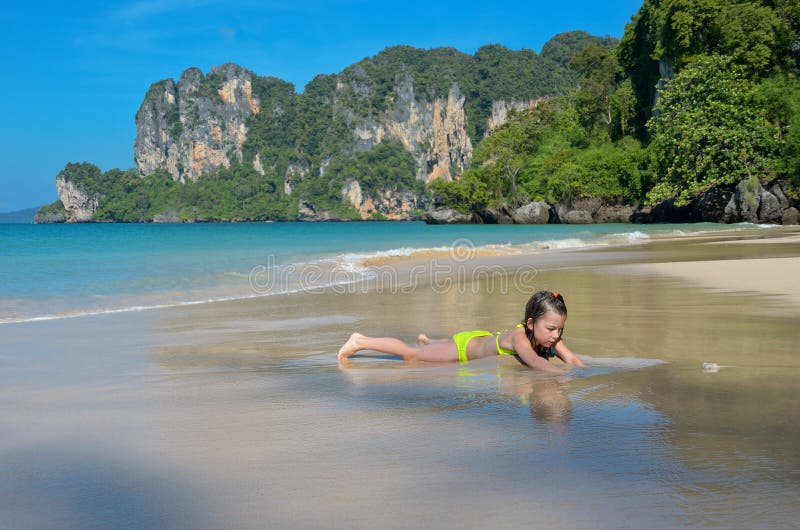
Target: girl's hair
540	303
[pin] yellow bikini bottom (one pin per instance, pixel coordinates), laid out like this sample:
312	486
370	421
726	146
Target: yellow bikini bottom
463	338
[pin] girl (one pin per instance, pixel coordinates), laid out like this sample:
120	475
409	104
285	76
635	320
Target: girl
532	342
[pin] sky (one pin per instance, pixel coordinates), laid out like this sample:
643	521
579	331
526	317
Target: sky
73	74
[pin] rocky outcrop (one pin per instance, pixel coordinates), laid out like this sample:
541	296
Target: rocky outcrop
577	217
167	217
306	211
295	172
49	218
195	125
79	205
580	211
748	201
388	204
501	107
432	130
496	216
534	213
614	214
447	216
202	122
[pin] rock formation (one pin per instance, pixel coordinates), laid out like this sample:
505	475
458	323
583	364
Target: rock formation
748	201
388	204
79	205
432	130
501	107
202	122
195	125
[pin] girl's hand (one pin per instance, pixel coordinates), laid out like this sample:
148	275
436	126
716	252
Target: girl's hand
526	354
566	355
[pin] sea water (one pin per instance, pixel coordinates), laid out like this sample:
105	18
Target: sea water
238	415
56	271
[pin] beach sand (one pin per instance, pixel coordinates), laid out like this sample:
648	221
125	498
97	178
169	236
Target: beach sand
237	414
770	276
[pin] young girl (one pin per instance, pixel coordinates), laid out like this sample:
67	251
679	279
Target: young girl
532	342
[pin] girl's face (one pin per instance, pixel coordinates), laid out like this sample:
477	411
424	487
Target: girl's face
547	330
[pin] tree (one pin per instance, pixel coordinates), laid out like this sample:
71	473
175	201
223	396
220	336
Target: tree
709	131
623	104
599	72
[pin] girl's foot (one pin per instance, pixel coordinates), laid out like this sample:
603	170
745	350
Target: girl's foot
422	339
351	346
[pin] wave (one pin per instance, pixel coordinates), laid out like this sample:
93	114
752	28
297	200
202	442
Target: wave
327	272
463	250
283	281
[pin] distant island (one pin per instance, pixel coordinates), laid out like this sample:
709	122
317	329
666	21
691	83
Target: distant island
674	122
25	216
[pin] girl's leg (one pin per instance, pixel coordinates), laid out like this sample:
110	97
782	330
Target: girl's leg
423	339
442	350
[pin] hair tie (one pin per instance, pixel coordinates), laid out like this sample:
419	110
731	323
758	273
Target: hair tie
555	294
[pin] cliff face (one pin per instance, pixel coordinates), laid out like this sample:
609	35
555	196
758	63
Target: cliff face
434	103
201	123
79	205
195	125
431	129
501	108
388	203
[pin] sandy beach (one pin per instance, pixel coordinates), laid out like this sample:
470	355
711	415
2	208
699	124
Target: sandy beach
769	276
236	414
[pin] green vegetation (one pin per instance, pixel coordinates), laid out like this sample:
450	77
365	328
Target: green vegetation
386	166
235	194
566	148
710	130
728	110
54	208
564	46
731	111
239	193
492	74
697	94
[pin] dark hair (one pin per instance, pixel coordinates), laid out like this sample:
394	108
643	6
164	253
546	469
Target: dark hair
538	305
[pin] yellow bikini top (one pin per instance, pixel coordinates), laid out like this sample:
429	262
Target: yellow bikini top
501	350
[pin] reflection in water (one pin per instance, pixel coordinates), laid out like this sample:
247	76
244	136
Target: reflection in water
546	397
264	414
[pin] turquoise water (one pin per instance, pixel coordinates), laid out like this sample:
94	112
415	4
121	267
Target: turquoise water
51	271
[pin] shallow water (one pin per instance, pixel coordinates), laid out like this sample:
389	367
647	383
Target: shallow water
70	270
236	414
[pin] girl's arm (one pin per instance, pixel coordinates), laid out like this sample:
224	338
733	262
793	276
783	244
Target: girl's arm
526	354
566	355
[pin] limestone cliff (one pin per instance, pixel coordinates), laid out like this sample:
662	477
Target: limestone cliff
79	205
388	204
202	122
195	125
431	129
435	103
501	108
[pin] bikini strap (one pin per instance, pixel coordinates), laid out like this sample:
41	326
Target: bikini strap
500	349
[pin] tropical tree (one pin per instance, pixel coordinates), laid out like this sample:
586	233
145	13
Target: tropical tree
709	131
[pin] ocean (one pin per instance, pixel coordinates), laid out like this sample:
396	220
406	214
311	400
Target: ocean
58	271
185	376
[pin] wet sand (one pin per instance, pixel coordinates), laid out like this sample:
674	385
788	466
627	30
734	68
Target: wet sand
236	414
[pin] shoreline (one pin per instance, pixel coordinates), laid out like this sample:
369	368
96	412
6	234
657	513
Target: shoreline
768	276
220	413
366	271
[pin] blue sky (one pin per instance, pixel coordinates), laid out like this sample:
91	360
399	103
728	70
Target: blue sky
74	73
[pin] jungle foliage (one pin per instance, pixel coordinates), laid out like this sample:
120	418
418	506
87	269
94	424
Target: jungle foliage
697	94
